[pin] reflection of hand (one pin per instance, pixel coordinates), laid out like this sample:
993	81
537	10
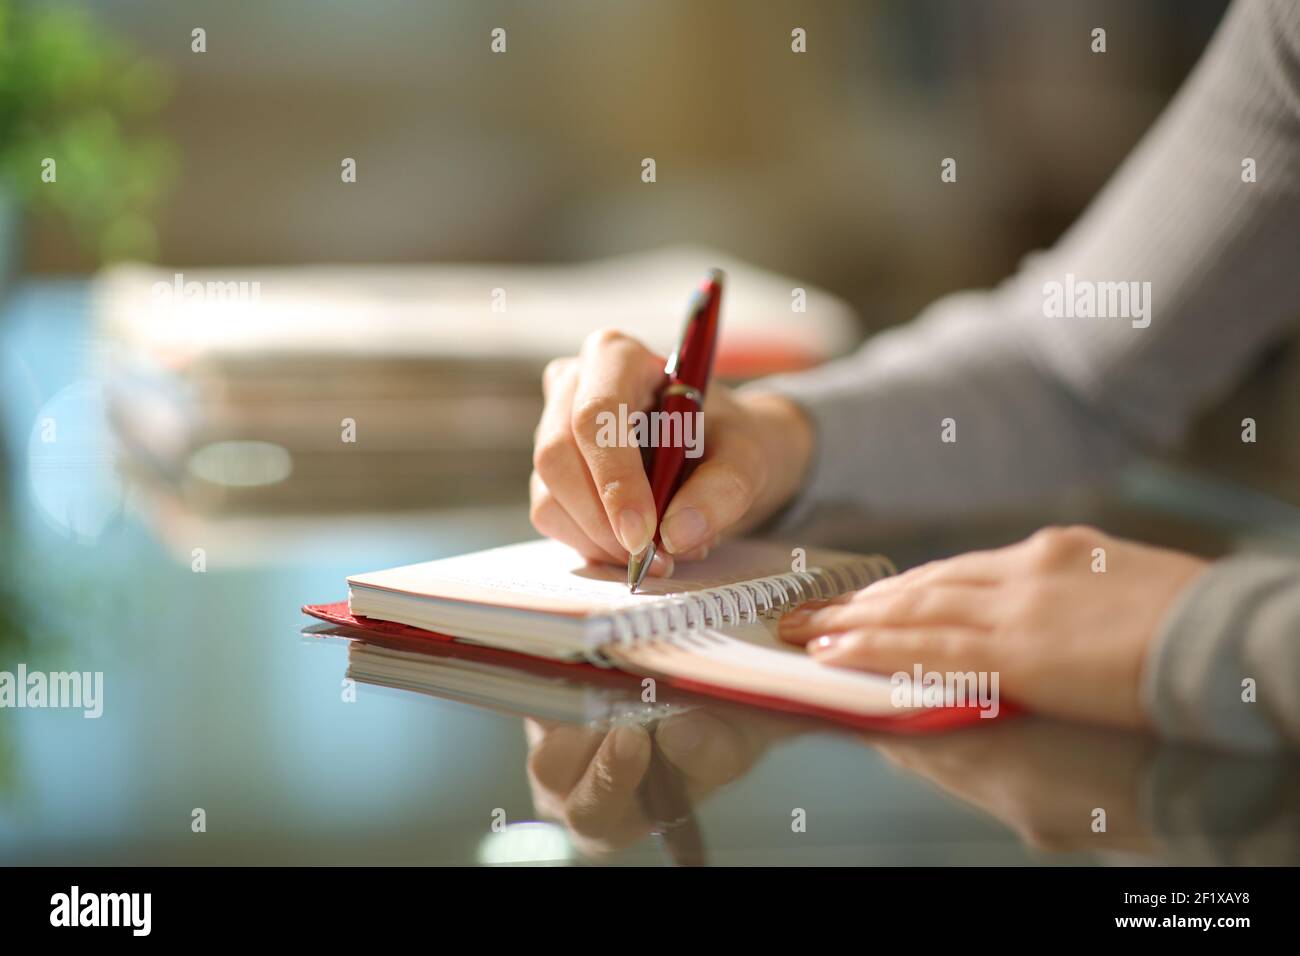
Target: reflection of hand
590	780
597	499
1041	778
1065	640
587	779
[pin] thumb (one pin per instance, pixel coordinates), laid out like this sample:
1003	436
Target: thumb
718	493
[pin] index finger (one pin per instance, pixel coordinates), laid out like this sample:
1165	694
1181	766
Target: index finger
617	374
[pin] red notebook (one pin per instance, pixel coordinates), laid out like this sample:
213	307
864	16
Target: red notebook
710	630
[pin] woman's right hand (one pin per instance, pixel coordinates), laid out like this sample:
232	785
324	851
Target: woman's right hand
596	499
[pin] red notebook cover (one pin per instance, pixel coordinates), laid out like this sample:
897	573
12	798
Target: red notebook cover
407	638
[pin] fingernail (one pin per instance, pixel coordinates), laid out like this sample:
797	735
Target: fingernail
824	643
684	530
633	532
795	619
662	565
629	741
679	736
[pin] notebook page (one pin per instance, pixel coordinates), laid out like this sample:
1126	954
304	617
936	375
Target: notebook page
751	658
550	577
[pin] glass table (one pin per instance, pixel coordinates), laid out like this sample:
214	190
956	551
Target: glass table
227	736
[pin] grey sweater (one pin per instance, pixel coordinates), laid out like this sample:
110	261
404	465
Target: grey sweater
1042	399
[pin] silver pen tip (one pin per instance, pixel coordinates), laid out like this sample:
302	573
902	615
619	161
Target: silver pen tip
638	566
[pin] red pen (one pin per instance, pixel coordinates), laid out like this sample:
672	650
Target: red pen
686	378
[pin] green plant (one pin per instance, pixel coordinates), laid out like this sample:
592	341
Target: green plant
73	93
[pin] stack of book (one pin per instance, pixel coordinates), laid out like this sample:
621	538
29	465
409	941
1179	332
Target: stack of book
322	388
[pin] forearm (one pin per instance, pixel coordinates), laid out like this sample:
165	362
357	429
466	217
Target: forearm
1040	400
949	415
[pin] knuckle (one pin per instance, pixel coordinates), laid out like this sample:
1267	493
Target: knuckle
735	483
1078	534
1042	539
584	818
548	454
541	512
1043	838
605	338
540	766
589	413
586	814
555	369
1053	545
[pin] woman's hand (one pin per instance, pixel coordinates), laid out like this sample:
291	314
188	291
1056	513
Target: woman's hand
1065	638
597	499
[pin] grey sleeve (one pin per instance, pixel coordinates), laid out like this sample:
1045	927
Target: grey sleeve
1225	667
1040	403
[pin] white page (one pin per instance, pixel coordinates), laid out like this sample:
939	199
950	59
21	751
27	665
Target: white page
551	577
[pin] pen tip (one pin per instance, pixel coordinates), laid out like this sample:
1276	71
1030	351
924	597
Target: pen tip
637	567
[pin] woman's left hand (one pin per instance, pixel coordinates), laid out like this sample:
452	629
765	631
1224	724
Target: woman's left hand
1066	637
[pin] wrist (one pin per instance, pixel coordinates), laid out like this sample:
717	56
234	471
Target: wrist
788	439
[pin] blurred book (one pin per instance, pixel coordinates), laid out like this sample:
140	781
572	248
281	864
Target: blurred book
324	388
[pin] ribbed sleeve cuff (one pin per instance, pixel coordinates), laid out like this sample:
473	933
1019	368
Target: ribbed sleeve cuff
825	413
1239	620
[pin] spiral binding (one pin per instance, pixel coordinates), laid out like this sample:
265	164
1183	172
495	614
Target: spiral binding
682	617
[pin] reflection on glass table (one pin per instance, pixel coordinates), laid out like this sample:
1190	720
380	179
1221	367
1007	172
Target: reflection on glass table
612	766
213	701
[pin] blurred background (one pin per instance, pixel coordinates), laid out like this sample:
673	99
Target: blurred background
818	167
807	164
177	479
